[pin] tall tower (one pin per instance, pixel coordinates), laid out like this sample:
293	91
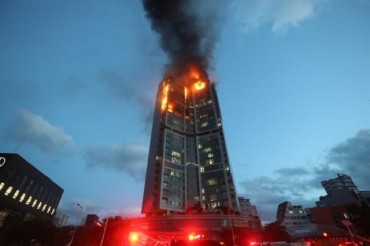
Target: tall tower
188	167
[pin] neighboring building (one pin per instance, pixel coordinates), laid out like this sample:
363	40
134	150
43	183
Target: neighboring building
25	192
336	208
342	181
365	196
188	166
92	220
295	220
328	215
246	208
339	197
341	191
60	219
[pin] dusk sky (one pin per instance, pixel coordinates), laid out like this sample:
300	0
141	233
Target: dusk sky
78	81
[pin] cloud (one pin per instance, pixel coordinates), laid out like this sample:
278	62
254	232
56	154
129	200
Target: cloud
129	158
280	14
302	185
34	129
288	184
353	158
77	213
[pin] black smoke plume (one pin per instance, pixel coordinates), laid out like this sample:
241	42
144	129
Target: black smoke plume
187	31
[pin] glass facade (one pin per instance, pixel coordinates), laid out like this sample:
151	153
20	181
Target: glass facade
188	166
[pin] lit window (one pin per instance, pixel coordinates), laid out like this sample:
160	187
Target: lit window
29	200
211	181
227	168
204	124
290	211
213	197
49	208
52	212
176	154
346	215
22	197
202	169
15	194
39	206
1	185
210	155
43	208
7	192
34	203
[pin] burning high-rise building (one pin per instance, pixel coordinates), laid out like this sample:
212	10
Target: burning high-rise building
189	176
188	166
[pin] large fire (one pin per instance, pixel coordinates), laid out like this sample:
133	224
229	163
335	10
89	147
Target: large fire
193	82
199	85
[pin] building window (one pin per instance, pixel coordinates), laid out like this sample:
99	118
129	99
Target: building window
211	182
1	185
29	200
204	124
22	197
15	194
7	192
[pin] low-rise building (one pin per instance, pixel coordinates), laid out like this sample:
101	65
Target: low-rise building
25	192
295	220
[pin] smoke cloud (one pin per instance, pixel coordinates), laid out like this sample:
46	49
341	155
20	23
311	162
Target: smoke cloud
187	31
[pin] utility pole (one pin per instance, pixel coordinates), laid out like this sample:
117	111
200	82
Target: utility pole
74	231
103	236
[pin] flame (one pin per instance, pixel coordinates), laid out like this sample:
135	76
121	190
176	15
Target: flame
185	93
199	85
194	74
170	107
166	88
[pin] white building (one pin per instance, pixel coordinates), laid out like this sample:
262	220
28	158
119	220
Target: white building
295	220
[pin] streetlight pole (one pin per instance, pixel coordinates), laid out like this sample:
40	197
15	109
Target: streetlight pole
232	227
105	228
74	231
